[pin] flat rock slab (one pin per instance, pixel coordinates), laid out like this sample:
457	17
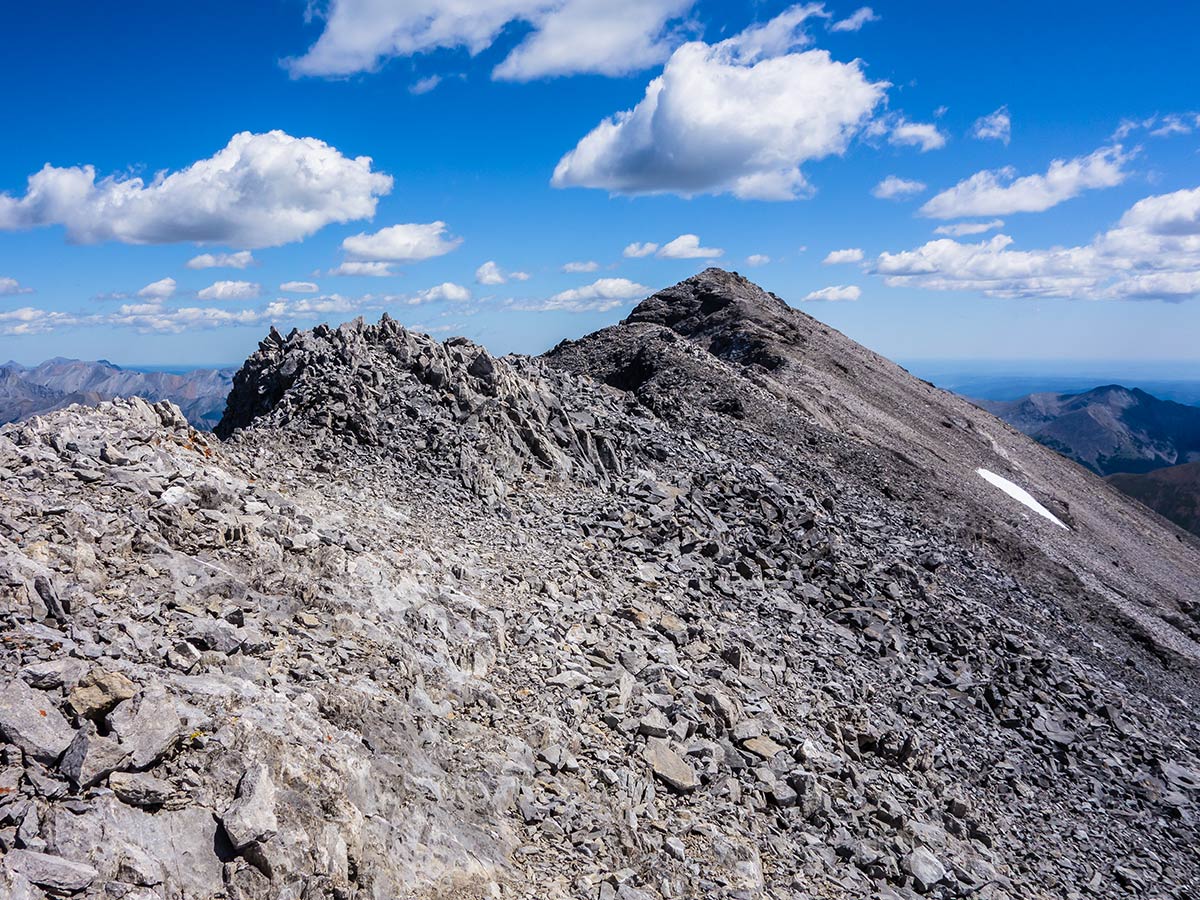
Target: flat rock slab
51	872
670	768
29	719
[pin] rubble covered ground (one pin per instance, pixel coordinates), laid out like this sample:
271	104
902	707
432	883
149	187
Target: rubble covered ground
651	617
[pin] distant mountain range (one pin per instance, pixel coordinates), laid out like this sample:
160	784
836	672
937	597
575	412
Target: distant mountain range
1109	429
29	391
1147	447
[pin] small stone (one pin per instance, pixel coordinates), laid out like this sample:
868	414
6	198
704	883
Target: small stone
654	724
251	817
140	789
99	692
925	868
54	673
764	747
148	726
30	720
675	848
670	768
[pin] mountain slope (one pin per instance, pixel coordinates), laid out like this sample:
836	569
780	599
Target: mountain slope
1108	429
710	603
55	383
1173	492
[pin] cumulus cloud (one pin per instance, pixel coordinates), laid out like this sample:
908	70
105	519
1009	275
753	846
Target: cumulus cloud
230	290
687	246
1000	192
740	116
1153	252
962	229
757	259
995	126
637	251
261	190
160	290
10	286
30	320
581	266
837	257
447	290
599	296
369	269
489	273
299	287
836	292
856	20
243	259
609	37
924	135
896	188
402	243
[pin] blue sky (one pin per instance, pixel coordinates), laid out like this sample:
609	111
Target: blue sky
1074	125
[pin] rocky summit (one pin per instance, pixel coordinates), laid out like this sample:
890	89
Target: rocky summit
711	603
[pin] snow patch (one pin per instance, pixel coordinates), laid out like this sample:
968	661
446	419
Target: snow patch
1020	494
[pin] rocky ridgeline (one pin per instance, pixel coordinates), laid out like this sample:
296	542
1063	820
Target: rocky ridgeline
433	624
432	405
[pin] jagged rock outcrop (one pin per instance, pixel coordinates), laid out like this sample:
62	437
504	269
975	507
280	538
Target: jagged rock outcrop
685	609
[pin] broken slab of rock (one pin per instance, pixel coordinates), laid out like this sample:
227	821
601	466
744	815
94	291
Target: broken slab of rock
99	692
29	719
147	726
51	872
140	788
669	767
251	817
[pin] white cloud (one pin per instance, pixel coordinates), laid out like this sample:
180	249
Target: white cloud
261	190
160	290
917	134
402	243
687	246
999	192
895	188
740	116
230	290
609	37
836	257
299	287
836	292
1159	126
30	320
995	126
10	286
599	296
370	269
489	273
519	276
243	259
1153	252
587	266
962	229
855	21
425	85
637	251
757	259
447	290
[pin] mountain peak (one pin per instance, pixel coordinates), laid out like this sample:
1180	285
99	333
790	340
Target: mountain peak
733	316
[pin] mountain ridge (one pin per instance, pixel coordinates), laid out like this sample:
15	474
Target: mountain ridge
712	602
